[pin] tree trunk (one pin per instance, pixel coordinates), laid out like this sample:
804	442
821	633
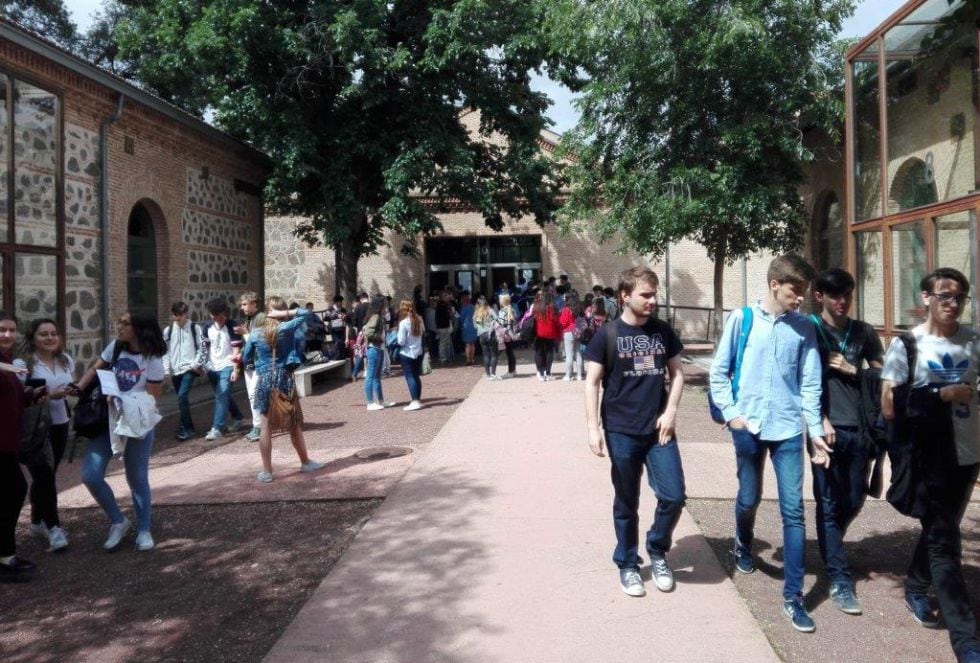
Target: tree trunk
345	260
718	318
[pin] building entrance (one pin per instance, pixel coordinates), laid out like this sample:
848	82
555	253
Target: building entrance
481	265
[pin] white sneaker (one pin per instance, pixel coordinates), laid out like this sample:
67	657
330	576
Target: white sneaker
311	466
414	405
40	530
57	539
116	533
568	377
264	477
631	583
372	407
663	577
212	435
540	378
144	541
388	404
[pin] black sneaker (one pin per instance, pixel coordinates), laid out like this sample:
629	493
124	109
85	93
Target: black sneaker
842	594
17	570
798	615
918	605
743	562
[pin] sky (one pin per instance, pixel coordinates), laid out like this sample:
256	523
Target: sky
868	15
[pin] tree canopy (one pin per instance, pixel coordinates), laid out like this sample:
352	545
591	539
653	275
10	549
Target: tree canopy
49	18
695	130
358	105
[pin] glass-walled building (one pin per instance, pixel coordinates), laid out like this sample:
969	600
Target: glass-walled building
913	187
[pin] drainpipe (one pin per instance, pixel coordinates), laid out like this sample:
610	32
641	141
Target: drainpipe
104	212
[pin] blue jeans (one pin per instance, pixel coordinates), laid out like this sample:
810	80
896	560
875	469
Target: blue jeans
137	461
372	374
223	403
628	454
787	461
839	491
182	385
358	365
412	370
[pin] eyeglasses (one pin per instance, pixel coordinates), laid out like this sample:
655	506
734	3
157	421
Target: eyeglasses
948	297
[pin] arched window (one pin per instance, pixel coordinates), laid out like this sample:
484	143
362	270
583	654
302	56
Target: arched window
141	264
829	232
914	185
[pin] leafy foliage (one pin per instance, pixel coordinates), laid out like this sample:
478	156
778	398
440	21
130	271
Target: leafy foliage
48	18
358	104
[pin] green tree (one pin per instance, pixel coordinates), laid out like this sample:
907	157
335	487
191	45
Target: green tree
48	18
692	119
358	103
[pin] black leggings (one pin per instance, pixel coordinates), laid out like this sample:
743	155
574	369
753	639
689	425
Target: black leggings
44	492
511	357
12	491
544	354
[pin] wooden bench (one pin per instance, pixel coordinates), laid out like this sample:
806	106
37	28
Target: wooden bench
303	376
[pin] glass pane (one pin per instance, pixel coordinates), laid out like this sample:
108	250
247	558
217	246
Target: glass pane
36	295
831	237
955	248
4	156
867	134
930	58
908	268
35	164
870	278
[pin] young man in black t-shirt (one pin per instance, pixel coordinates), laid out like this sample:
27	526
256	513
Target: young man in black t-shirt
840	489
631	358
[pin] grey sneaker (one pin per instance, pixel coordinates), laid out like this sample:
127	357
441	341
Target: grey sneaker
144	542
116	533
254	434
264	477
662	575
311	466
842	595
212	435
631	582
798	615
57	539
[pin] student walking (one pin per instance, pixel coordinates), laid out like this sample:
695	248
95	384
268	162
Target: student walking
778	387
186	356
485	322
268	348
136	359
468	332
507	319
410	353
630	359
839	490
224	347
547	330
944	427
48	361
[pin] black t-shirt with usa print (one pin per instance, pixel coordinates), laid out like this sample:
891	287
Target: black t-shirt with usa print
634	391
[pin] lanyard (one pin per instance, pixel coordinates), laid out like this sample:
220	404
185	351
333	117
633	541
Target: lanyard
842	346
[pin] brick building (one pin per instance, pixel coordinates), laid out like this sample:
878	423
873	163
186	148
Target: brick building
113	200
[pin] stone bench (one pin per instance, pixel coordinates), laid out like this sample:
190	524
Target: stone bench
303	376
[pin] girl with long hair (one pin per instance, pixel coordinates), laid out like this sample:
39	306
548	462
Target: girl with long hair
374	331
547	328
48	361
507	318
135	356
14	397
484	319
568	319
268	346
410	332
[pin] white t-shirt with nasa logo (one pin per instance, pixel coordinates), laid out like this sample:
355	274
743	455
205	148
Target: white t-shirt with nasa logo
133	371
943	361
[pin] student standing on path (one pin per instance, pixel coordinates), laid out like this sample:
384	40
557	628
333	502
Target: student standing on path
779	387
638	418
186	355
946	430
410	352
840	490
253	319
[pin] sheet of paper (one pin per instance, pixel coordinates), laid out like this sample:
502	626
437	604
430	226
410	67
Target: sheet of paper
109	385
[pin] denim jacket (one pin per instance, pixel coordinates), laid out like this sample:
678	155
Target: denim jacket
288	333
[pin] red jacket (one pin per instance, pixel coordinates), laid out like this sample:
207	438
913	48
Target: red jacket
13	397
548	326
567	320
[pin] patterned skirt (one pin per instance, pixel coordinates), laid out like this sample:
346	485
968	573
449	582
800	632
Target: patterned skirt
273	378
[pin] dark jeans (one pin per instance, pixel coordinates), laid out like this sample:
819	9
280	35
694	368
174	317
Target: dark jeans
412	370
182	385
223	402
13	488
628	455
544	355
937	560
839	491
490	349
44	492
787	461
511	357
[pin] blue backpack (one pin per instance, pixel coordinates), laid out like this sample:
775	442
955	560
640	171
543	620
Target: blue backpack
734	372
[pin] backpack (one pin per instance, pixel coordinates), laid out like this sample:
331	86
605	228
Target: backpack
91	416
584	329
905	492
734	370
168	332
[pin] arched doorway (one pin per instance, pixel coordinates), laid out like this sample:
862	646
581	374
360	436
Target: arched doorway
141	264
829	232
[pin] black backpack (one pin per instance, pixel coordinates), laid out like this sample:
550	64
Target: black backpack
906	490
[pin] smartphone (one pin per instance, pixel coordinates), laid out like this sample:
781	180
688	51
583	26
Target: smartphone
35	383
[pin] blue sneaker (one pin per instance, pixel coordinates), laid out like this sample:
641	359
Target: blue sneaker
842	594
798	615
921	610
743	561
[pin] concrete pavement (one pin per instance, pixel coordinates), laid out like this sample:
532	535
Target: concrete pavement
496	546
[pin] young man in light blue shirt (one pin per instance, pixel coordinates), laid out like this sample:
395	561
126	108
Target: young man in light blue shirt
779	387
